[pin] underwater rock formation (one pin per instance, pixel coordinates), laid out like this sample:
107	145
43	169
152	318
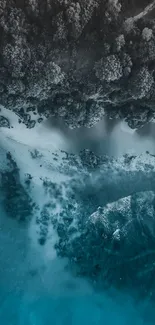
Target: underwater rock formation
115	246
16	201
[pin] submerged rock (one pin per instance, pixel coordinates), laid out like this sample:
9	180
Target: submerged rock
115	246
95	216
17	202
4	122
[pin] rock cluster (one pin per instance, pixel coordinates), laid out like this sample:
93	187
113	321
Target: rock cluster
15	199
115	246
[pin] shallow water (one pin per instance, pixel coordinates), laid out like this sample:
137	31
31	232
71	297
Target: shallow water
37	287
111	137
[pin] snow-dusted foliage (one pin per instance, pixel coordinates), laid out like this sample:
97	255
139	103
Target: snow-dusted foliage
109	69
53	51
141	83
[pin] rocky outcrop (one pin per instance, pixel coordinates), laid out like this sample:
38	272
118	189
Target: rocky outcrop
4	122
115	246
16	201
78	60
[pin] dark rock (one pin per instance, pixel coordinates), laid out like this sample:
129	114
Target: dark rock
4	122
17	202
115	246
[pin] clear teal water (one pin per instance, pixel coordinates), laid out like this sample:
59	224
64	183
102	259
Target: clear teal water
73	310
